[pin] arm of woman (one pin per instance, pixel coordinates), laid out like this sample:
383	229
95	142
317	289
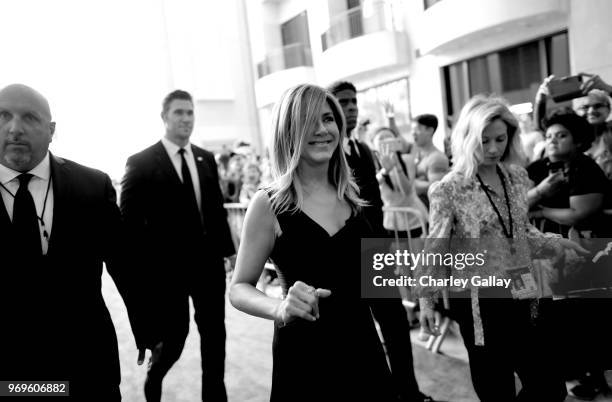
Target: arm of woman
256	244
546	188
441	217
581	207
399	177
539	109
390	174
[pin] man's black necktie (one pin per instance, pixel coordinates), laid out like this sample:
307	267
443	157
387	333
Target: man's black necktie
353	157
25	219
188	184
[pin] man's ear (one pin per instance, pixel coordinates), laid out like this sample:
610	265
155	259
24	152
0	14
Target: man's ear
52	129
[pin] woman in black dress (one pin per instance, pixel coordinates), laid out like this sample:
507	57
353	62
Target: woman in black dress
309	222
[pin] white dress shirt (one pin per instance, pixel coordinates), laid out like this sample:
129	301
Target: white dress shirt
173	152
38	188
346	145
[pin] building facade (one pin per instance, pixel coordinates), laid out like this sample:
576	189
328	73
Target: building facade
425	56
208	54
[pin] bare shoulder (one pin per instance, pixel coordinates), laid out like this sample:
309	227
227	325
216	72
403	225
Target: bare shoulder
438	158
259	216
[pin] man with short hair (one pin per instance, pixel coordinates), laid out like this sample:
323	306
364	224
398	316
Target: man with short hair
431	163
358	154
173	207
59	222
389	313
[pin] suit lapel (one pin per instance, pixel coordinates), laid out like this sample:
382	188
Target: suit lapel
5	220
165	164
202	170
202	177
61	193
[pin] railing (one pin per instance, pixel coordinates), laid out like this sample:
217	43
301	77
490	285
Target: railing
294	55
235	218
360	21
401	218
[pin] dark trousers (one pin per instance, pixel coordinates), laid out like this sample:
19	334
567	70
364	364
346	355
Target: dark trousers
514	342
208	296
393	320
583	328
94	392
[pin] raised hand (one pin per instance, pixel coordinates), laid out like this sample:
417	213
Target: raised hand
544	90
388	108
593	81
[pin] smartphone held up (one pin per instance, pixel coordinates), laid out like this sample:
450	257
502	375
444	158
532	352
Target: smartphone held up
566	88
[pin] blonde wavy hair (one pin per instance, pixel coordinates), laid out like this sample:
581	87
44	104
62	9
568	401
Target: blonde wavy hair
295	116
466	138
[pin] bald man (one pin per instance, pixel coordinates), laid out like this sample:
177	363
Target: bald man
59	222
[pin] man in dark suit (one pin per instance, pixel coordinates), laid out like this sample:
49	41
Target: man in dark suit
59	222
389	313
172	204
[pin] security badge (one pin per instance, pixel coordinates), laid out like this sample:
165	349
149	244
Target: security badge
522	284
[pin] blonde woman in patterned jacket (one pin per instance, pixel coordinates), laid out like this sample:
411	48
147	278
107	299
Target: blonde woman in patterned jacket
482	204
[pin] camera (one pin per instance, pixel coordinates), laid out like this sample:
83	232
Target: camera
554	167
566	88
393	144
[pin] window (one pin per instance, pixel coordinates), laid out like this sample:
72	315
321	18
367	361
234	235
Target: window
296	41
295	51
514	73
557	55
355	16
296	30
520	67
429	3
371	99
480	79
457	91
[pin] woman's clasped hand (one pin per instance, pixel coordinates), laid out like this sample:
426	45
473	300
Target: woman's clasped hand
302	301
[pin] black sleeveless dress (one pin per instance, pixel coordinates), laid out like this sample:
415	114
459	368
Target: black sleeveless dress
339	357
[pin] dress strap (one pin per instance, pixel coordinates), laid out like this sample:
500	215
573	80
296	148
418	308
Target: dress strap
278	232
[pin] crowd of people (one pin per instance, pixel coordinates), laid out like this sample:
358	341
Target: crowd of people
317	192
533	195
241	172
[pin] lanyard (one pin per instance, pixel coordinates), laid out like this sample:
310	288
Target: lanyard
508	233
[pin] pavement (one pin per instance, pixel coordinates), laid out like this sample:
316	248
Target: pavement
248	373
248	368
